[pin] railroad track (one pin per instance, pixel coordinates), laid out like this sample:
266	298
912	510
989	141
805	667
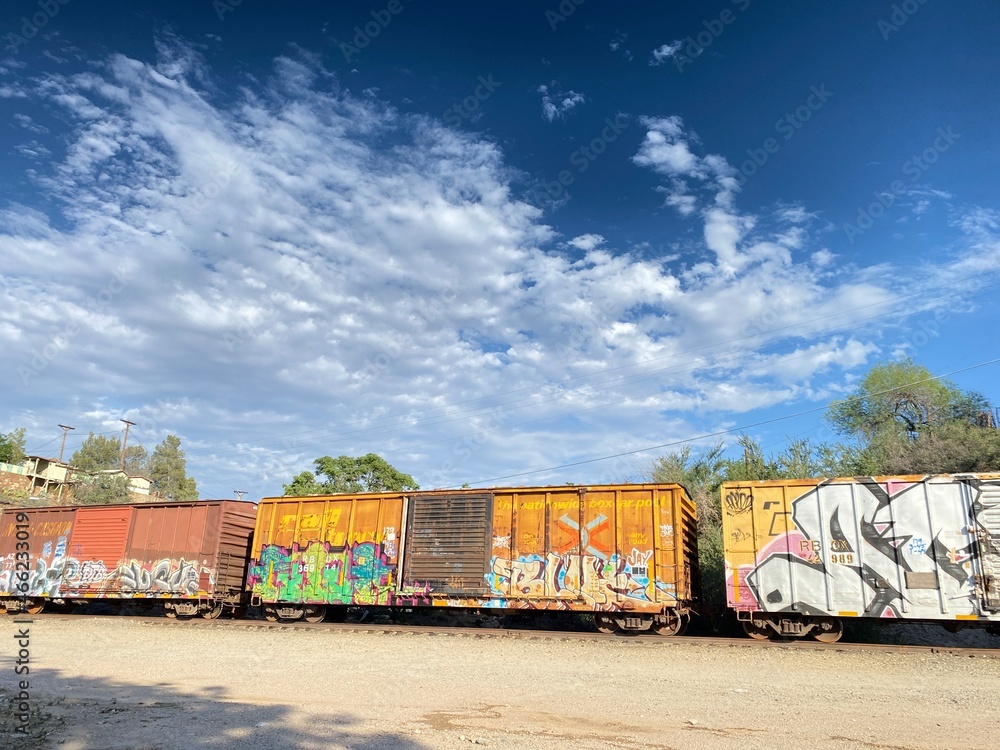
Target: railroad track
648	640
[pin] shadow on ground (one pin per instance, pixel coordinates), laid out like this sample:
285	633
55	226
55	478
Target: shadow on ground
80	713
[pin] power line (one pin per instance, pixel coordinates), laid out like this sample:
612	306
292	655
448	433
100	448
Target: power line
725	432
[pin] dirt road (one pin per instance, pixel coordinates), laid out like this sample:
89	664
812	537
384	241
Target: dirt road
113	683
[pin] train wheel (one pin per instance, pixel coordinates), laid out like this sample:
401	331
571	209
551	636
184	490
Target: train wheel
828	630
605	624
172	614
270	614
758	633
35	606
213	613
674	625
314	613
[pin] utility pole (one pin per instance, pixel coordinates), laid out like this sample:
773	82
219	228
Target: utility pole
121	463
240	494
65	429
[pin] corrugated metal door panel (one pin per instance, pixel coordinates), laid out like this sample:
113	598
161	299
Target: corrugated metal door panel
99	538
988	517
448	538
234	545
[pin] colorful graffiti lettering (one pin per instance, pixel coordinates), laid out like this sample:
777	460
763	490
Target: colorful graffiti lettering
897	549
598	583
363	574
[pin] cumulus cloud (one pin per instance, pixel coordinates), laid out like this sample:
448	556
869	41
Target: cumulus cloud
266	278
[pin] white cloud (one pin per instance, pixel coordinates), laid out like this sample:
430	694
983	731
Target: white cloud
586	241
556	102
665	52
269	281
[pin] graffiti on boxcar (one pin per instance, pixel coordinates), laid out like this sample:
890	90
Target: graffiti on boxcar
599	583
362	574
44	579
587	532
165	576
888	561
389	541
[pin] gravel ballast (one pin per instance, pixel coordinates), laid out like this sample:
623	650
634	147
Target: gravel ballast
114	683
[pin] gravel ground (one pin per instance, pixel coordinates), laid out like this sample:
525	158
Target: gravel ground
116	684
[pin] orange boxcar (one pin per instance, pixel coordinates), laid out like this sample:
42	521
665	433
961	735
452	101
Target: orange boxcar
627	553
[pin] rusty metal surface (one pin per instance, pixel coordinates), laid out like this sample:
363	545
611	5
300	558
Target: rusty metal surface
100	535
185	550
47	539
337	549
164	550
600	548
448	538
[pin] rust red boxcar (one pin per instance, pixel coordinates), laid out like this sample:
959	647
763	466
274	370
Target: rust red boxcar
627	553
193	556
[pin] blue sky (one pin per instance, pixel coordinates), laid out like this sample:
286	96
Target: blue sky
486	239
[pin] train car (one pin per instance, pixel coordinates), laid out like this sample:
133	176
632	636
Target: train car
192	556
627	553
804	554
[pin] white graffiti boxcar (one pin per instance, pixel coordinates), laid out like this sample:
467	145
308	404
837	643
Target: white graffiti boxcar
803	554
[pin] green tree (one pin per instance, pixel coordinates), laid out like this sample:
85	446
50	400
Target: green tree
899	399
98	452
701	473
168	470
304	483
136	460
954	447
102	489
904	421
368	473
12	446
